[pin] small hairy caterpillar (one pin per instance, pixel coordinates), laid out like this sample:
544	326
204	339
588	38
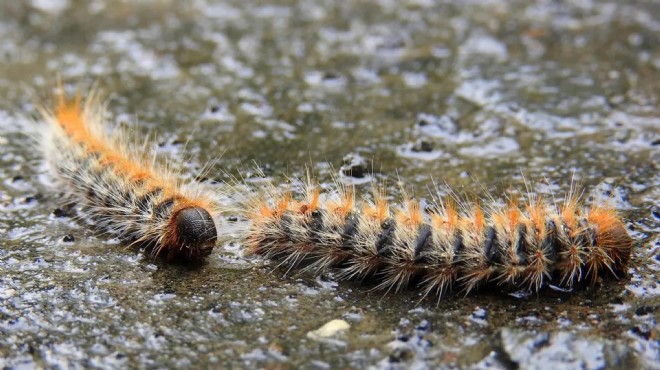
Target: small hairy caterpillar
444	248
122	186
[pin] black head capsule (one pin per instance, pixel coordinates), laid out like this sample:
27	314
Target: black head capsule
195	233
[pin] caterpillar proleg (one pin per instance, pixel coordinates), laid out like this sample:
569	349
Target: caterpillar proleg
123	187
448	246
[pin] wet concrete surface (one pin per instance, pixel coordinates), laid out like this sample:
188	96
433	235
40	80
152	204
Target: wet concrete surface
403	93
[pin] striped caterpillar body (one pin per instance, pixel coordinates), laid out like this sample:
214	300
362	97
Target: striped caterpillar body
441	249
122	187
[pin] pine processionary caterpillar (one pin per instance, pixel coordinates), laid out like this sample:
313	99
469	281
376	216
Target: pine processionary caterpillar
132	195
126	190
442	249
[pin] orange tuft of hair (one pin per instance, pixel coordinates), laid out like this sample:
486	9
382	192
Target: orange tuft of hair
411	216
537	212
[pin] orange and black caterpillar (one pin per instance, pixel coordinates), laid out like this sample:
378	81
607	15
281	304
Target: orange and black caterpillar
125	189
443	247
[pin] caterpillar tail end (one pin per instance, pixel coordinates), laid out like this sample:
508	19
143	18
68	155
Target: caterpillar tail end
194	235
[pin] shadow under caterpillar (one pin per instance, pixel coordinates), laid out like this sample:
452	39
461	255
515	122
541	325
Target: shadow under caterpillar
446	248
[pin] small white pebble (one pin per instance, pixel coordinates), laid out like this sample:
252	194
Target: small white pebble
7	293
329	329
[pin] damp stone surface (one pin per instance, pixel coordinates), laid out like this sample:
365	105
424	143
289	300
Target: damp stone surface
480	96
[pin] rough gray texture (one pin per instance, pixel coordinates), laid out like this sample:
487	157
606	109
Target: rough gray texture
419	90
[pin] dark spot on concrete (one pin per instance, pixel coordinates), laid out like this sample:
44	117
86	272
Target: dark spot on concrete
354	165
422	122
424	326
401	354
330	76
645	310
33	198
642	331
422	146
63	211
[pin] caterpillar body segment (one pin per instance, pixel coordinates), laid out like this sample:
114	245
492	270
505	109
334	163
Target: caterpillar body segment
443	249
122	186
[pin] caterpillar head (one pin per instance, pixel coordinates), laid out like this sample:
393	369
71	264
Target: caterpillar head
192	234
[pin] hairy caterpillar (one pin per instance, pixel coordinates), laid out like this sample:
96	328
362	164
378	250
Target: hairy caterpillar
122	186
444	248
